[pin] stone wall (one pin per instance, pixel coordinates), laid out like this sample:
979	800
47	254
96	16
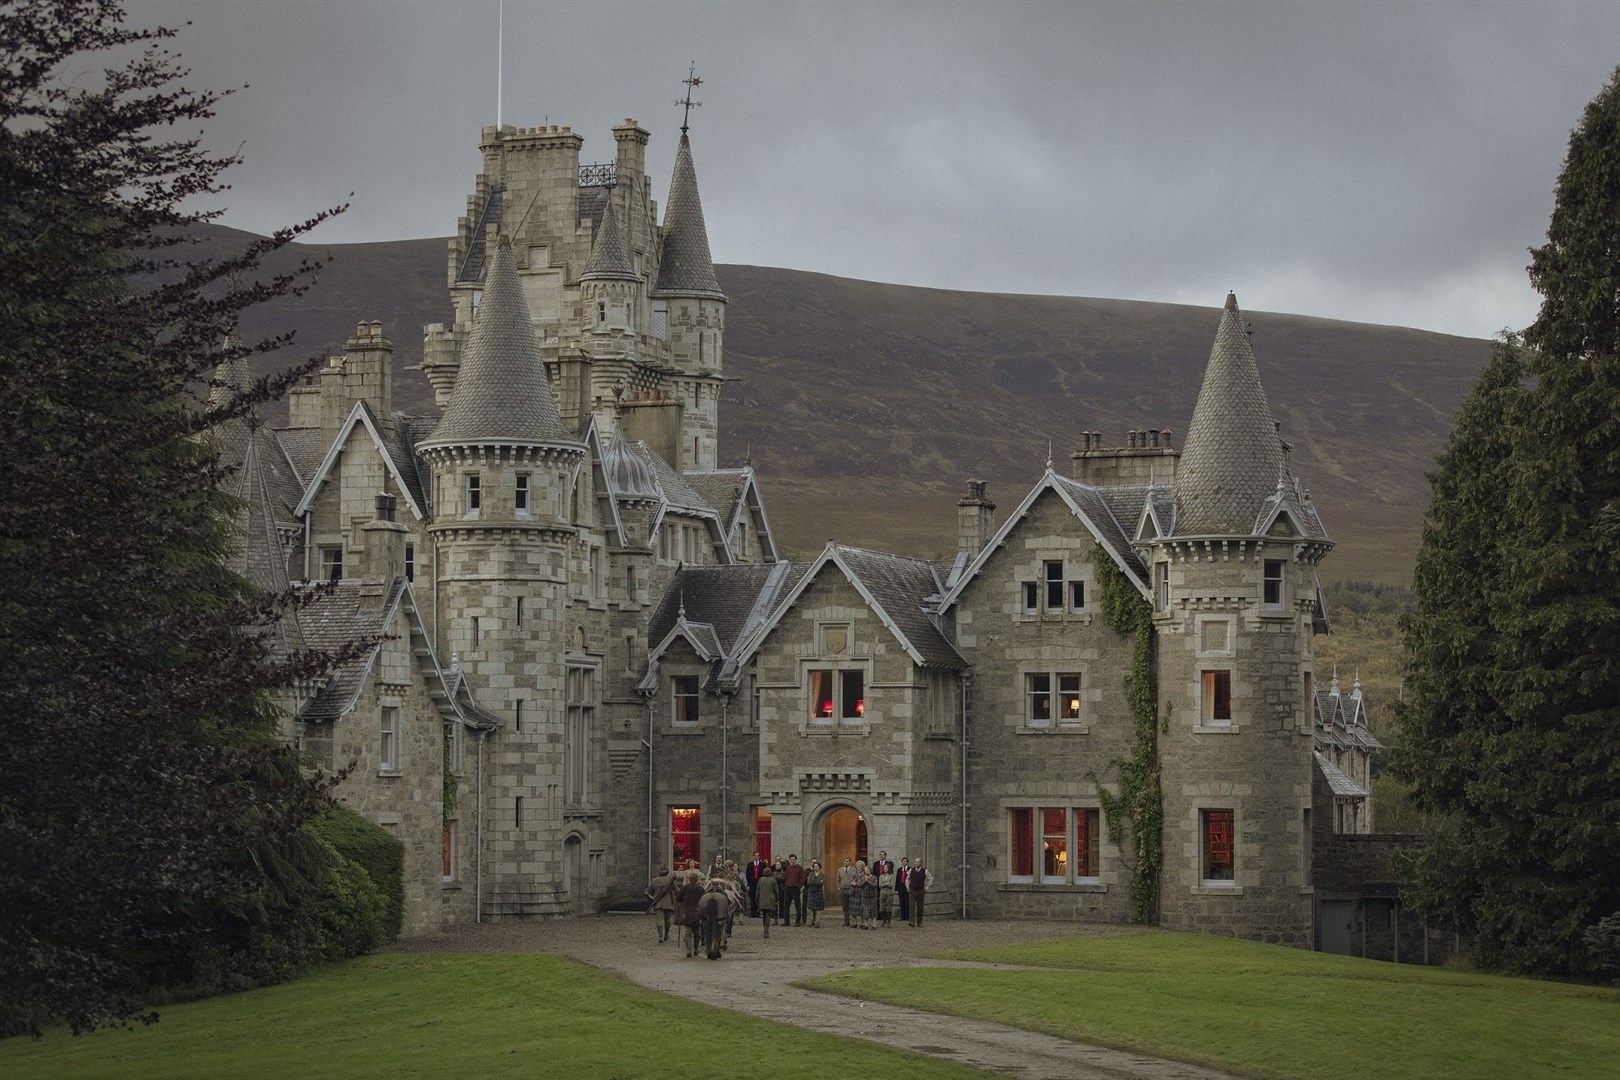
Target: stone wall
1012	763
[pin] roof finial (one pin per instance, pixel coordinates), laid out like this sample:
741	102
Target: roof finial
1335	688
686	103
1049	453
748	455
683	604
500	57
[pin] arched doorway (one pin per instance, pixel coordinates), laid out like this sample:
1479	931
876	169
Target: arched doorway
843	836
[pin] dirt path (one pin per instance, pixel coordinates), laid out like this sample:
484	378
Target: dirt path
756	978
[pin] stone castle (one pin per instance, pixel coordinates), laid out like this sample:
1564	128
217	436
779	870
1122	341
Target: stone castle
592	660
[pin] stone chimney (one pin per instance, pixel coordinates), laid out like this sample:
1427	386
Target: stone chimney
384	559
304	403
1148	457
368	371
976	519
653	417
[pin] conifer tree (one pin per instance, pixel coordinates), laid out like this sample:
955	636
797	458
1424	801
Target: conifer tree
138	770
1514	726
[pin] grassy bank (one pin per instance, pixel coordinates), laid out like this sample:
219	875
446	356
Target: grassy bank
1270	1011
400	1015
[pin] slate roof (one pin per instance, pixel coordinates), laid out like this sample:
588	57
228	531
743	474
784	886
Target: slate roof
685	267
502	393
721	597
332	620
609	259
473	265
304	451
630	472
721	489
1114	512
900	586
1232	458
1338	779
677	492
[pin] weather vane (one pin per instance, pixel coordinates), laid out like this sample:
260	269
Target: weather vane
686	103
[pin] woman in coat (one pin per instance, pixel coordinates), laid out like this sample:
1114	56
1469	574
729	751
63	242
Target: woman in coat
886	895
686	910
857	882
768	894
815	891
869	900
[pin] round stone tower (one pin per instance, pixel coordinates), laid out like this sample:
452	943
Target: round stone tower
503	466
1234	597
696	313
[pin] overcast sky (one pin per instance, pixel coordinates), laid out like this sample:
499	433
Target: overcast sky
1385	163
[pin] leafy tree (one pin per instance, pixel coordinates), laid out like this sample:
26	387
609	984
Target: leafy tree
1513	727
140	782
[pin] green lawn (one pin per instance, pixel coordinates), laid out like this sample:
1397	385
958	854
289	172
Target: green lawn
403	1015
1269	1011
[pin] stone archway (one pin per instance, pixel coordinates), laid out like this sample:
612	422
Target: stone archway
843	836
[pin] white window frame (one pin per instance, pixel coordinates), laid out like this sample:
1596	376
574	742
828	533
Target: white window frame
1052	578
521	495
331	560
1207	697
1056	696
472	494
453	733
678	694
1281	582
1075	817
388	739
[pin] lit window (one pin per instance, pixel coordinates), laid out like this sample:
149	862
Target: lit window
762	832
332	562
1217	697
1054	586
1218	866
684	693
840	694
685	836
520	497
1061	841
388	744
1052	696
1273	594
473	493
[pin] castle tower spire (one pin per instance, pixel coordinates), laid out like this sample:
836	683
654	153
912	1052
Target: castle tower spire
1232	458
609	259
685	267
501	390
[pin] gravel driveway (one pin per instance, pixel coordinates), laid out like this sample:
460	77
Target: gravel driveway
756	977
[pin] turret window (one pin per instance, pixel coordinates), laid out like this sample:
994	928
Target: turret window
473	493
1272	596
520	495
1216	704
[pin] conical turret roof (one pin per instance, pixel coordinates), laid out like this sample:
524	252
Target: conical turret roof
609	259
501	392
1232	460
685	267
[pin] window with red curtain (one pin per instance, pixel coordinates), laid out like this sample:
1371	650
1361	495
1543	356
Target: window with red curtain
1218	865
1085	842
685	836
1021	840
762	833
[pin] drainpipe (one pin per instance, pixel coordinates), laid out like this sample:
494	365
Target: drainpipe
962	757
478	842
725	777
306	546
652	830
438	642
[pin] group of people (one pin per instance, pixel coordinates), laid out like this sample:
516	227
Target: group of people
787	892
873	893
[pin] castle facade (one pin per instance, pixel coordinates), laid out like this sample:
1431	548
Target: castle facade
591	659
